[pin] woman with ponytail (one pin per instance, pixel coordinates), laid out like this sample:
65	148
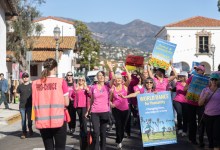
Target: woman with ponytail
50	98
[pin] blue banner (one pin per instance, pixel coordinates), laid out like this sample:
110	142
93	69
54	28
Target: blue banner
162	54
156	119
198	83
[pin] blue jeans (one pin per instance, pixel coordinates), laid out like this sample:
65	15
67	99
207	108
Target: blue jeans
3	98
26	114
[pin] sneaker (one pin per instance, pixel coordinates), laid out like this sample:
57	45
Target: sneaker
127	135
180	131
119	145
23	136
184	134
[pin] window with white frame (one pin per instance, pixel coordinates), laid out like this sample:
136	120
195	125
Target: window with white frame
203	40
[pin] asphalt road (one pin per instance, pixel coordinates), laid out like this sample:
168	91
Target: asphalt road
10	140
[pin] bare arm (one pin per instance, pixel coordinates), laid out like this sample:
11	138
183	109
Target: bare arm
171	78
131	95
150	72
129	77
66	100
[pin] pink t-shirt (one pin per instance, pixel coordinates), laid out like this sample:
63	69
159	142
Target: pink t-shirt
213	104
180	93
81	98
100	99
119	102
161	86
65	88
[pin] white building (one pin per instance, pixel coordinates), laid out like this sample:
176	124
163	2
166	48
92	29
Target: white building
45	46
194	38
7	12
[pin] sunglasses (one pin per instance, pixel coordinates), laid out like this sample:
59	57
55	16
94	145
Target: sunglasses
149	82
25	77
69	75
213	79
81	80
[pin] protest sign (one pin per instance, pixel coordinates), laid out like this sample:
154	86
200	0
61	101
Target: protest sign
15	71
198	83
132	60
162	54
156	119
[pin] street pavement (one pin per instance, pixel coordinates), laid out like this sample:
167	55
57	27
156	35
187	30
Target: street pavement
10	132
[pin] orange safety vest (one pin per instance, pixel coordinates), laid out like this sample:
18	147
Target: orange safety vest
48	103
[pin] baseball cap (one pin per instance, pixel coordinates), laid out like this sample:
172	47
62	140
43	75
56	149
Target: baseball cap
25	74
200	67
214	76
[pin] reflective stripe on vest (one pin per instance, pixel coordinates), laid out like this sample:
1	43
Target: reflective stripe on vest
49	117
49	106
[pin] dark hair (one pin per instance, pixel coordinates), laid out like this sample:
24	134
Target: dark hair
49	64
103	73
145	81
2	74
219	67
162	71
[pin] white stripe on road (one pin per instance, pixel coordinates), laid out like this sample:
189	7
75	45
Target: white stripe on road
68	147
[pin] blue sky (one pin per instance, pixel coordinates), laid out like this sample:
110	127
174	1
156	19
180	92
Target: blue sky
158	12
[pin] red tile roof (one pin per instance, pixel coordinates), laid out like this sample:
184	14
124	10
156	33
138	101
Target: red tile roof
48	42
197	21
54	18
38	55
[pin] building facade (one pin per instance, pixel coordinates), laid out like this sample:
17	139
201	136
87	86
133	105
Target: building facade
7	11
196	38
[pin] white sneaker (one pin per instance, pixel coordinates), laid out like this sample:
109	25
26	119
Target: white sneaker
119	146
184	134
180	131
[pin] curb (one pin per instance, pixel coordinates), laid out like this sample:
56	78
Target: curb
11	119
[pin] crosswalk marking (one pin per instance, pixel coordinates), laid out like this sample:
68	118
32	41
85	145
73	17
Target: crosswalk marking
68	147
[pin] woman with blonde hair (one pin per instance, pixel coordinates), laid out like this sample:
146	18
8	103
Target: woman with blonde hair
120	106
82	104
50	99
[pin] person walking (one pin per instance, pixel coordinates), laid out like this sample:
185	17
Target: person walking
24	91
120	107
71	109
3	90
50	99
195	111
210	99
82	104
180	104
149	86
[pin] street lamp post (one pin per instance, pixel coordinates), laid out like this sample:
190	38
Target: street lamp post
212	48
56	33
89	59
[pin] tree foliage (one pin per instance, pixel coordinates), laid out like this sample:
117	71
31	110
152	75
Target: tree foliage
19	41
218	5
86	46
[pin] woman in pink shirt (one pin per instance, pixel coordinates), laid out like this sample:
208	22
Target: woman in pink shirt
82	104
120	107
161	81
180	104
99	109
148	87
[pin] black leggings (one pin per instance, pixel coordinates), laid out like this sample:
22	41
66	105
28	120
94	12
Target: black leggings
54	137
99	122
121	118
72	112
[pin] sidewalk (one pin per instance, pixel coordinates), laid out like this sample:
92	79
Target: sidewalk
8	116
